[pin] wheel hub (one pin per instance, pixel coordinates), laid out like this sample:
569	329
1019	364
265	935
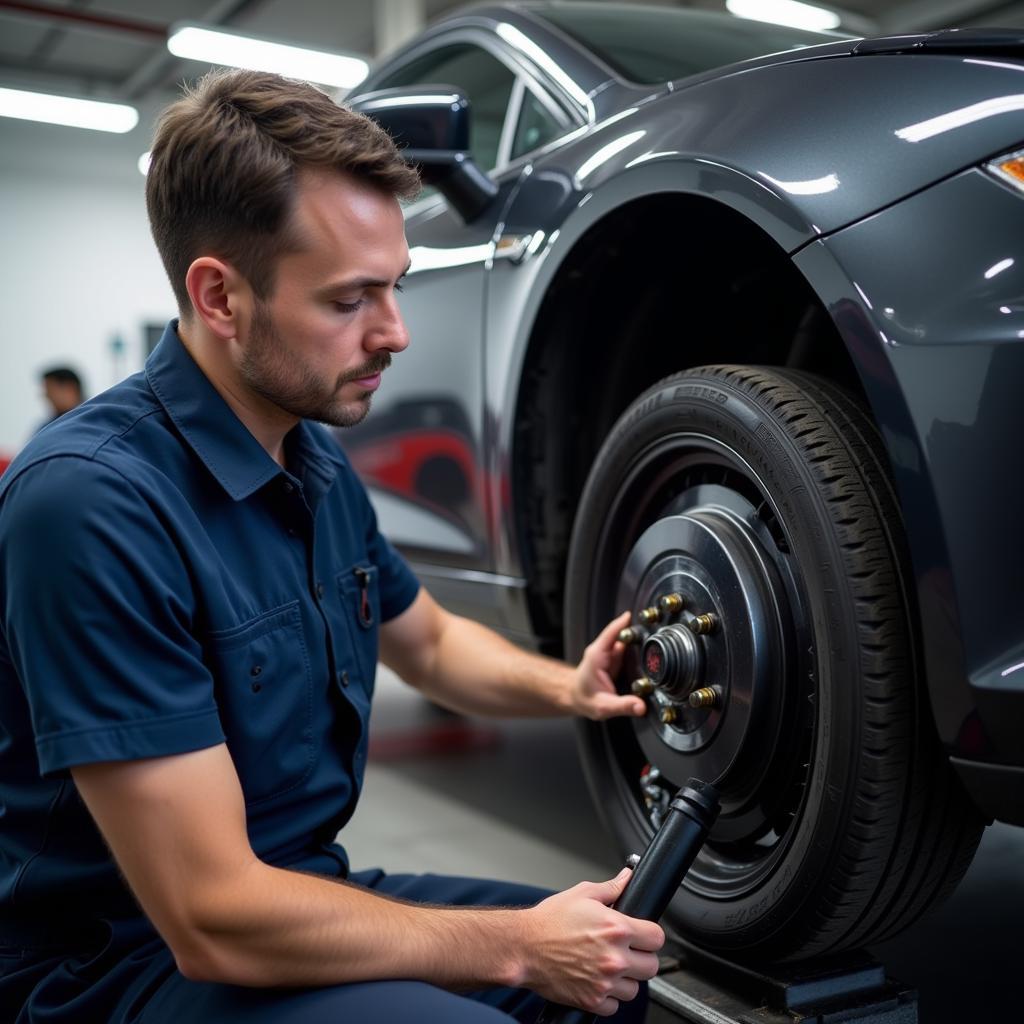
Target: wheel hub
673	659
711	655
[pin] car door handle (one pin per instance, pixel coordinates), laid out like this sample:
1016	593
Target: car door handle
517	248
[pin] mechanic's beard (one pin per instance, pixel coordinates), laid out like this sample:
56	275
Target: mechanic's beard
269	369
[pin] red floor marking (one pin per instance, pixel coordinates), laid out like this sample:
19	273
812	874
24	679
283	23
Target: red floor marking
442	738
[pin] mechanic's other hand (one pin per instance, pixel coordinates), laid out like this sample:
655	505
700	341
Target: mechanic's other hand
594	694
580	952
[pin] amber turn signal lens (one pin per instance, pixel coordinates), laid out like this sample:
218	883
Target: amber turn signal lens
1010	168
1014	167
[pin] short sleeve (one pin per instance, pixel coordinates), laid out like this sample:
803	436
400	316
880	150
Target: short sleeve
97	613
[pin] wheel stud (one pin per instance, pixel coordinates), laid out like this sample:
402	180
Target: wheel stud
642	687
631	635
671	603
650	615
705	697
702	624
667	716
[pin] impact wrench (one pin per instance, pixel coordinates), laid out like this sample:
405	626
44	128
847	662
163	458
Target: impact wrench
659	872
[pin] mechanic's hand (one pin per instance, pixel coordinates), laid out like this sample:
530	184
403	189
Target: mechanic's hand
594	694
580	952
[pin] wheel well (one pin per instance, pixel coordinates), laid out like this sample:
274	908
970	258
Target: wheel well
659	285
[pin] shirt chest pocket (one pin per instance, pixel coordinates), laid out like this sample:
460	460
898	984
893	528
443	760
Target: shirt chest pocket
360	603
264	694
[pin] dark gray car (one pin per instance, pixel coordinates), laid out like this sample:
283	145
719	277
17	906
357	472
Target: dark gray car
732	341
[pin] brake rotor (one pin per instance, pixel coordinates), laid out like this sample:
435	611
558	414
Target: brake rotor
713	618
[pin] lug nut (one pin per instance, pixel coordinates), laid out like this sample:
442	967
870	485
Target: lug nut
650	615
630	635
702	624
705	697
671	603
642	687
667	716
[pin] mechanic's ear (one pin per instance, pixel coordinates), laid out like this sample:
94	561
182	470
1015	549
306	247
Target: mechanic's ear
220	295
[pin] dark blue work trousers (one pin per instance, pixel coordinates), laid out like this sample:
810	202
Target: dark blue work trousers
142	986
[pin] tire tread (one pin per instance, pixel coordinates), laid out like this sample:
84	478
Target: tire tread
934	828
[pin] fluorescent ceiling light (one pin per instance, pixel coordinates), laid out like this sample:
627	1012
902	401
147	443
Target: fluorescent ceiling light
38	106
785	12
197	43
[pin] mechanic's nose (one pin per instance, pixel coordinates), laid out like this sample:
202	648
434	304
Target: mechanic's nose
389	332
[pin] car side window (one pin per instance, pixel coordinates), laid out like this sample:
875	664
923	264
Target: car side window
535	127
486	82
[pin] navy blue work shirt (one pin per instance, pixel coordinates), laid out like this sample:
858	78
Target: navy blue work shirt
167	586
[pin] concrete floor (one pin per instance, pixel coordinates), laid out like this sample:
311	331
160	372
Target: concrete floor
514	805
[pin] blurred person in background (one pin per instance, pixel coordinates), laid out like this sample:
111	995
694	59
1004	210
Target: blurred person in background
63	391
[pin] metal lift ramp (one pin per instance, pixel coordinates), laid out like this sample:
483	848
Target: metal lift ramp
699	988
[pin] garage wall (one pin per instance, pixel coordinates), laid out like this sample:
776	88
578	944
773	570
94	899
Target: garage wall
77	268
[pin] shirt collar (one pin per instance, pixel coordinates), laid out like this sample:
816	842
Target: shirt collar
235	458
316	458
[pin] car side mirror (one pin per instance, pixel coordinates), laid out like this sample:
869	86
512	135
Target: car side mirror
430	125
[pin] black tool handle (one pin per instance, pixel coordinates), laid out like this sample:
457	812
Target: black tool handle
659	872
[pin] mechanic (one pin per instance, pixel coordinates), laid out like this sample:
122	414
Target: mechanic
193	591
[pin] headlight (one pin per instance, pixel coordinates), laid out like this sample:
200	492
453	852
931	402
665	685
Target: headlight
1009	168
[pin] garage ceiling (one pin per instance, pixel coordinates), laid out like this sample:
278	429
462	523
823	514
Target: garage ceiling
116	49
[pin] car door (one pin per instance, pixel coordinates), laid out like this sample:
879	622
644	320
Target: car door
421	450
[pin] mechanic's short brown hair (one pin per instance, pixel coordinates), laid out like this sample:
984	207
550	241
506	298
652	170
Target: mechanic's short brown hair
224	164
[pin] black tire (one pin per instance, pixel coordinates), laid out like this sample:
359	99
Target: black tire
762	495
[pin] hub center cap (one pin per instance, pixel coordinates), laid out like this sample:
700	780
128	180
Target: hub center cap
673	660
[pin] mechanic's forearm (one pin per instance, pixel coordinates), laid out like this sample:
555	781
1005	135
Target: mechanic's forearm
274	927
476	671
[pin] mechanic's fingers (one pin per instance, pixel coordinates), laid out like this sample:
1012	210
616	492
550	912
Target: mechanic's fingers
641	966
606	1008
625	989
605	892
613	705
610	633
648	938
611	890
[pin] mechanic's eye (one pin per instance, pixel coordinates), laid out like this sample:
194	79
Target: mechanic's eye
348	307
398	286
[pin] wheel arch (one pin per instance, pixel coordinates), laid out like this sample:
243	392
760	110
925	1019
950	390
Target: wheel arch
610	324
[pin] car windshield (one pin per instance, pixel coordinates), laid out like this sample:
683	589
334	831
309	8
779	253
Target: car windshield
658	44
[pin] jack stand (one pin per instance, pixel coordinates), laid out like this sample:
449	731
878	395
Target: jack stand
701	988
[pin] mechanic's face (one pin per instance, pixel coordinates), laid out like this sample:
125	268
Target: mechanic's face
318	346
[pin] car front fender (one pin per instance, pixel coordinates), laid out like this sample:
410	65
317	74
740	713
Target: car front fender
929	299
